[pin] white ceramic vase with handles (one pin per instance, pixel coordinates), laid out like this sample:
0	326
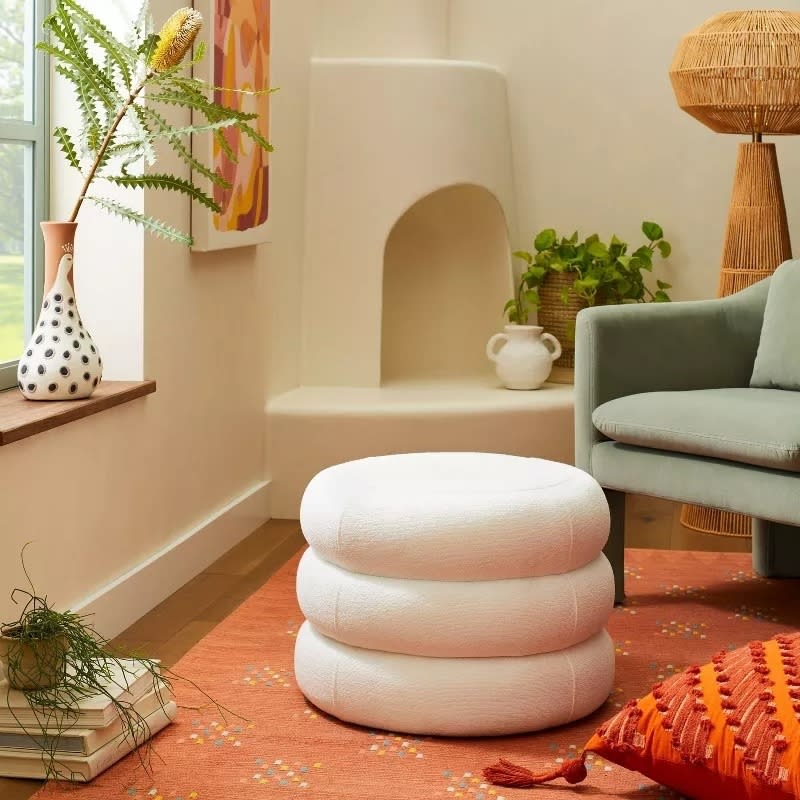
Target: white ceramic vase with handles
523	359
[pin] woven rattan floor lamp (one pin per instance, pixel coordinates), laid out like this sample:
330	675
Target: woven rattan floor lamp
739	72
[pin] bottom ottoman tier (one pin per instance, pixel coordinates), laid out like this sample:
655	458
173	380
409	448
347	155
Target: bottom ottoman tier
453	696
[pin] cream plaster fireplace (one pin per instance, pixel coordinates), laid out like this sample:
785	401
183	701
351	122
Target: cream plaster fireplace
409	216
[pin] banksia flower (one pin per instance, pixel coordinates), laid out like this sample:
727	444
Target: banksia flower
175	38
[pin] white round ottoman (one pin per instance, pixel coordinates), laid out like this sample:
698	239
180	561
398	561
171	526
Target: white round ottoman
459	594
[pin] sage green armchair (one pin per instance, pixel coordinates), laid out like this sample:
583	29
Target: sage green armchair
663	407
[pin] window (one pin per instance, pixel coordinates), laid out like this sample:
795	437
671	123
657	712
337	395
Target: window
24	140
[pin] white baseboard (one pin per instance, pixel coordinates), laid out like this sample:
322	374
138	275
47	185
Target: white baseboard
124	600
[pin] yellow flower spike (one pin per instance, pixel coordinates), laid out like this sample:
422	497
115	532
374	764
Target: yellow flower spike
176	38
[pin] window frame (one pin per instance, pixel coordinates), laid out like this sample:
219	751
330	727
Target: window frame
35	133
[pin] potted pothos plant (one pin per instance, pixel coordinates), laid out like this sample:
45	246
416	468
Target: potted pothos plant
563	274
125	90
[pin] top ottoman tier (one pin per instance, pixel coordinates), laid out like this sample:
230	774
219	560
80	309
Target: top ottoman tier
455	516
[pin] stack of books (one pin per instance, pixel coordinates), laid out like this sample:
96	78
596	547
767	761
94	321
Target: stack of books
81	747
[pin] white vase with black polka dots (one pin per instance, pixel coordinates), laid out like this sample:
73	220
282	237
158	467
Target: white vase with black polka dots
61	361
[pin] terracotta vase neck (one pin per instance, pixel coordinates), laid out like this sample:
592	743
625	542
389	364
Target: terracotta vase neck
59	238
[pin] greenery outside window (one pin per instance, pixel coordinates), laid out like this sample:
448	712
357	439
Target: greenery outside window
24	137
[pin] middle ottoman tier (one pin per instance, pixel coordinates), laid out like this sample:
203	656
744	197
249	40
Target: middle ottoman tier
512	617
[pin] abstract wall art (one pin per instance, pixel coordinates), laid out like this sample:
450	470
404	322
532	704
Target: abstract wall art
237	37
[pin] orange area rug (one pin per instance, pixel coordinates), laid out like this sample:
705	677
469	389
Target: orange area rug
681	609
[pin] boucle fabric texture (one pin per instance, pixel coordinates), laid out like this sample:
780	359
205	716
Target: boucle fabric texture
454	697
457	594
455	516
513	617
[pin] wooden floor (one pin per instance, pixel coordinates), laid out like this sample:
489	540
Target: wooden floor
175	625
654	523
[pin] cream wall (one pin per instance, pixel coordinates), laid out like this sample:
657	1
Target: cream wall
291	44
381	28
599	143
101	496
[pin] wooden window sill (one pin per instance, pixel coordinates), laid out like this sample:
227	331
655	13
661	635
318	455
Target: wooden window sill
20	418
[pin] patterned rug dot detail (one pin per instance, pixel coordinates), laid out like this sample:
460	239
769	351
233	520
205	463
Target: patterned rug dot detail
471	786
746	576
663	671
284	775
747	613
216	734
387	744
685	630
633	572
267	676
628	608
691	592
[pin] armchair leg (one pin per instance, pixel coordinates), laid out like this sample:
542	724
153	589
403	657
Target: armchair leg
776	549
615	546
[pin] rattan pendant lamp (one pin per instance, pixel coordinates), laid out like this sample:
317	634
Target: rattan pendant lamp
739	72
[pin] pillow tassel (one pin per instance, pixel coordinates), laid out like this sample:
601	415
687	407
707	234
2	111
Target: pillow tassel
504	773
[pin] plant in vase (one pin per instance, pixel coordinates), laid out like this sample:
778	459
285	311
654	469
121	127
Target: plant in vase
56	660
123	90
563	275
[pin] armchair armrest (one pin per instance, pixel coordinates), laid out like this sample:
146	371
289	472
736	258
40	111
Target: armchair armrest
650	347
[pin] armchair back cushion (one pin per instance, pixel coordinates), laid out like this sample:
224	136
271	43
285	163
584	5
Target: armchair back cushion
777	364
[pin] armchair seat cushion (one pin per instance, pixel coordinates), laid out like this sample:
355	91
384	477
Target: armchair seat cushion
751	426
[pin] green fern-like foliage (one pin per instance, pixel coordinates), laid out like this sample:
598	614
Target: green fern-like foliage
124	104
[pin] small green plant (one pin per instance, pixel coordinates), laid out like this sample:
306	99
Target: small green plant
123	90
57	659
603	273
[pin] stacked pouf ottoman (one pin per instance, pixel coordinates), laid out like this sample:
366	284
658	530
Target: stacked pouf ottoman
458	594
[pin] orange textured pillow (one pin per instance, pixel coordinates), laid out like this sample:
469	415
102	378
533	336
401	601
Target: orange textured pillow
723	731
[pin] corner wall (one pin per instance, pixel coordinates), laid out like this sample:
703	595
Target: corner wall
599	143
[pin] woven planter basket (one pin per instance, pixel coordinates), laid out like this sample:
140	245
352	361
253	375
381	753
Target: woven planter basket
557	318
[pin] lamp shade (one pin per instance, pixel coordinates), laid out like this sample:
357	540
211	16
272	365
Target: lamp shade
739	72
